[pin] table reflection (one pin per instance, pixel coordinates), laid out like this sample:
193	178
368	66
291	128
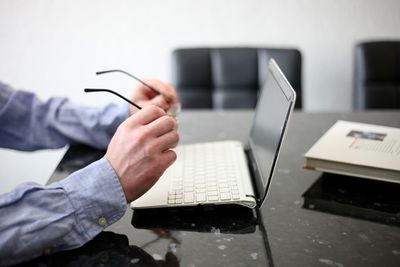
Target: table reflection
166	230
106	249
358	198
230	219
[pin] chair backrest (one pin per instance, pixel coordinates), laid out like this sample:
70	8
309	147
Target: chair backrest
230	77
377	75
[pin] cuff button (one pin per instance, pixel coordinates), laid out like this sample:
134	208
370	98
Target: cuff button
102	221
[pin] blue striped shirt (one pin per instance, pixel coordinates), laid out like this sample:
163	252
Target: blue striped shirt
37	219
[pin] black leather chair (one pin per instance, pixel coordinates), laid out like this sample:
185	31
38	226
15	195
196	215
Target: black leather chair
223	78
377	75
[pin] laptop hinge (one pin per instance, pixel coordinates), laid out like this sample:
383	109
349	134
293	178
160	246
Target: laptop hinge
253	177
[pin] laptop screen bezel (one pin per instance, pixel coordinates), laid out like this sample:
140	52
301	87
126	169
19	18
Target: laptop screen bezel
276	74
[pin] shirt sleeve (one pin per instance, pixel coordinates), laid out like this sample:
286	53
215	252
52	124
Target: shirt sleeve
38	220
28	123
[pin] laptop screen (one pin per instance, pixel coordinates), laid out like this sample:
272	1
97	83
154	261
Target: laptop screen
274	106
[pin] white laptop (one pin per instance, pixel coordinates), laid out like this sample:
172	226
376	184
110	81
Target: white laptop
224	172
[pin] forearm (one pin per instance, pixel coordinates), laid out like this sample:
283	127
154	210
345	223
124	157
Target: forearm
43	219
29	124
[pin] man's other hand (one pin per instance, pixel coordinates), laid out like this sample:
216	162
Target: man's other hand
144	96
140	150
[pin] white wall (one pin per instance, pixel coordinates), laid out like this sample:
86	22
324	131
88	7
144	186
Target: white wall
54	47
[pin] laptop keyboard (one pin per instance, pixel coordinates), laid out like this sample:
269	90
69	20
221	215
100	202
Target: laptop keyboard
206	173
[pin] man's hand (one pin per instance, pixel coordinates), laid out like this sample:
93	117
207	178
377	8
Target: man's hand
144	96
140	151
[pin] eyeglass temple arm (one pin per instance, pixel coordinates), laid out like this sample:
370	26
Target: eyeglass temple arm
132	76
90	90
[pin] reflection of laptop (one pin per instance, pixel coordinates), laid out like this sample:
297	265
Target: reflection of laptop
223	172
224	219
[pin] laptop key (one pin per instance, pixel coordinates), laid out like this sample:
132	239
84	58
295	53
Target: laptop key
201	197
212	198
212	193
188	197
224	190
235	197
225	196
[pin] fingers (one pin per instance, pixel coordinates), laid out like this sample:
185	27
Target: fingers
167	158
146	115
144	91
162	87
163	96
155	119
170	93
166	89
162	143
164	130
152	130
161	102
162	126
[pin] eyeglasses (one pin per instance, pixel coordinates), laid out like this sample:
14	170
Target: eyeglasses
90	90
172	111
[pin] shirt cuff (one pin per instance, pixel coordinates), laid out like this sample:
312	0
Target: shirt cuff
96	196
5	94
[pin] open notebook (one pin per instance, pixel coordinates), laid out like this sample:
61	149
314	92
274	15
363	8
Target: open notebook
224	172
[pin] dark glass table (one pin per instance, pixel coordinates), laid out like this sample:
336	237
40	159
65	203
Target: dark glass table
309	219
